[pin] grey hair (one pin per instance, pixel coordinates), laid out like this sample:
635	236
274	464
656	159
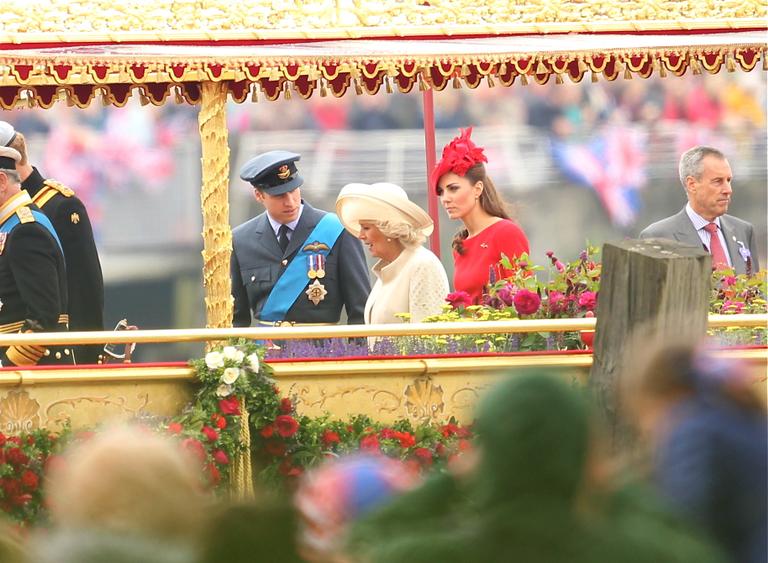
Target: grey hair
690	162
402	231
13	175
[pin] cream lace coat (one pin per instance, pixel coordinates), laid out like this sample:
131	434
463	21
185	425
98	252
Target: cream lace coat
415	283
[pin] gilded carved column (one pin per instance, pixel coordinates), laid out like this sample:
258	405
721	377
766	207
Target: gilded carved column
217	234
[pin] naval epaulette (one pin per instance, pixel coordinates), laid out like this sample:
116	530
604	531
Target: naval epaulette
59	187
24	214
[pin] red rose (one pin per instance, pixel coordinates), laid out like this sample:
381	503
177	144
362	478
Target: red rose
330	437
287	426
286	407
275	449
370	443
21	500
30	480
2	439
175	428
12	487
526	302
214	474
230	405
268	431
195	447
219	421
406	439
16	440
387	433
210	434
288	469
588	300
15	456
449	429
221	457
424	456
459	299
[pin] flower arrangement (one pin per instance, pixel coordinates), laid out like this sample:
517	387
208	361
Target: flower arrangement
570	290
739	294
22	462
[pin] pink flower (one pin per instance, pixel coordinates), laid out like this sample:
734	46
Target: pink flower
588	300
733	306
729	281
557	302
526	302
459	299
560	266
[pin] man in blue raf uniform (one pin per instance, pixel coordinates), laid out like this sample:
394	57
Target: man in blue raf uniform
33	282
293	263
73	227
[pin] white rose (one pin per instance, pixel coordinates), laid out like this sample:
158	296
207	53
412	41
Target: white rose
239	357
223	390
253	362
230	375
214	360
229	352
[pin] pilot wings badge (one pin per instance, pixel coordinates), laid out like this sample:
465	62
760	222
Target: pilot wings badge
315	246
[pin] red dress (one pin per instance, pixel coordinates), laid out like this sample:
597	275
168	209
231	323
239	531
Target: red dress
482	252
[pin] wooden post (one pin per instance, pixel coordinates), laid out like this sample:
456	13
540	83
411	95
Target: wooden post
214	200
658	285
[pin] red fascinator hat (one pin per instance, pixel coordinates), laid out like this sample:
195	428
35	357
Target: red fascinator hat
459	155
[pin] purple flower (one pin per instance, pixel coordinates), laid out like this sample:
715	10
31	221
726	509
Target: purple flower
507	294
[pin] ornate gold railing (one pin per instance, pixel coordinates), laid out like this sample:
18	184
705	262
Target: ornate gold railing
339	331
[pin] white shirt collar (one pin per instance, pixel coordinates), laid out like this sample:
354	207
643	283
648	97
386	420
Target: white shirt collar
292	225
698	221
16	200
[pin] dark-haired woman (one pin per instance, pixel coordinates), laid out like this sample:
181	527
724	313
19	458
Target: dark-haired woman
467	193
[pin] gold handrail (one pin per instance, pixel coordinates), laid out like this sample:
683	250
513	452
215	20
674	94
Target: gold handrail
338	331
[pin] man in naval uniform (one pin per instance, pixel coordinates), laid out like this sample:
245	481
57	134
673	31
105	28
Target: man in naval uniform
73	226
293	263
33	281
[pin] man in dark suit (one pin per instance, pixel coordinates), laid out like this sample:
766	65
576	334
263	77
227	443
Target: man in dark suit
293	263
33	281
706	177
73	226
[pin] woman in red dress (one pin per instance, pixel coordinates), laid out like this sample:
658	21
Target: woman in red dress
467	193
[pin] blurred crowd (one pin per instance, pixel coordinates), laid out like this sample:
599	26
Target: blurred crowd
542	484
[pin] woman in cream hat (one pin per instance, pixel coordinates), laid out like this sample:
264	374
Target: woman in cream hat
411	279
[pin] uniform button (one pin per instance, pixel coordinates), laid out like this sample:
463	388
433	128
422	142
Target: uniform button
284	262
58	355
253	278
66	351
47	352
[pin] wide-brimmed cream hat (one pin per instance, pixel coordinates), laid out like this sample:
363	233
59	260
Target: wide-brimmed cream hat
379	202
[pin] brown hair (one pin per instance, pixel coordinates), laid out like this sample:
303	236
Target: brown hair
20	145
490	200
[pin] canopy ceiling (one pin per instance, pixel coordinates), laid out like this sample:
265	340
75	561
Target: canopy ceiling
267	49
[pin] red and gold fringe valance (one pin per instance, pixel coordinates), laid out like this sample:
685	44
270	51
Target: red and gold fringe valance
114	81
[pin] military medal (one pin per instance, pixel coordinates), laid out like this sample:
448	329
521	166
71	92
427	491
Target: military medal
320	266
311	270
316	292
